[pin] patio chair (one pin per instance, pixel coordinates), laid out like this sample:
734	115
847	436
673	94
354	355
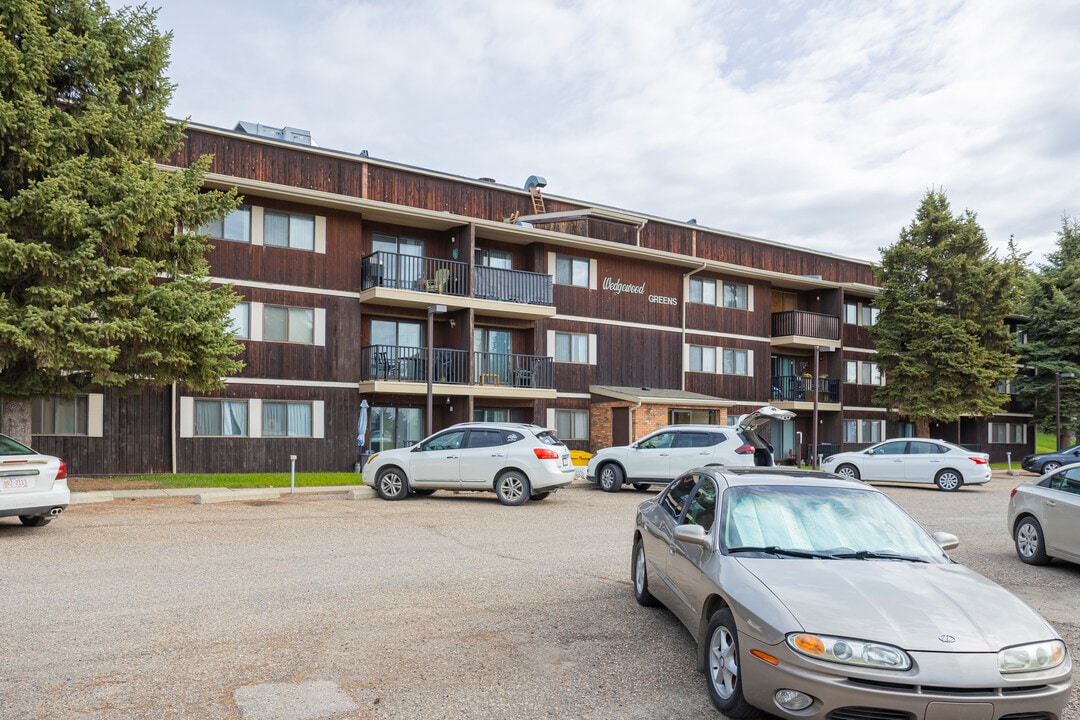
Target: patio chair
438	283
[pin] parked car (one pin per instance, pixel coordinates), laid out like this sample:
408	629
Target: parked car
665	454
913	460
515	460
32	486
1049	462
1044	517
815	596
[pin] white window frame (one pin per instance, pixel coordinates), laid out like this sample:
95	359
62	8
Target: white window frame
254	418
590	340
860	368
748	295
866	431
1008	429
240	316
219	229
865	314
94	409
706	291
553	270
578	421
258	321
734	353
288	425
702	359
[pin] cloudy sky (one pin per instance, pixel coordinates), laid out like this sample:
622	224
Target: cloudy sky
818	124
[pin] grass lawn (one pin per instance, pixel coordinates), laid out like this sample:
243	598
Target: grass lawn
237	480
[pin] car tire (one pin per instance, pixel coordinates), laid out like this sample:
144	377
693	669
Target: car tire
722	672
1050	466
643	487
640	578
848	471
424	491
540	495
610	478
35	520
1028	537
948	480
391	484
512	488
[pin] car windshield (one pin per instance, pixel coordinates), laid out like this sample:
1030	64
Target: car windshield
825	522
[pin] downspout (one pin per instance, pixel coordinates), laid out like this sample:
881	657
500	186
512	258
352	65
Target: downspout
682	334
172	425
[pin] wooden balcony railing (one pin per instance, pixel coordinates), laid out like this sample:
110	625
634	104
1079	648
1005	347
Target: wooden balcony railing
805	324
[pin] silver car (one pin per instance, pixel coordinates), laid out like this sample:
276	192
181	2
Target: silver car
515	460
1044	517
914	460
32	486
813	596
664	454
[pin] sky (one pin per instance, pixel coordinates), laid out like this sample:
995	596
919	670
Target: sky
816	124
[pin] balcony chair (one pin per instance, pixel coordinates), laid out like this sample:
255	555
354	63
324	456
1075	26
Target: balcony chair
438	283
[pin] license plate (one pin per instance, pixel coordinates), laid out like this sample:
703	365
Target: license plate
565	460
16	483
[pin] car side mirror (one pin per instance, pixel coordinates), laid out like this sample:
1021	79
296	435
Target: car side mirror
947	541
693	534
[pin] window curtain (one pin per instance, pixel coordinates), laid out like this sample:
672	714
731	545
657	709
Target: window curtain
274	419
207	417
301	325
299	420
276	229
234	418
302	232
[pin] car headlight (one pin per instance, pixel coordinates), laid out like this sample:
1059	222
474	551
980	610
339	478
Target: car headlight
1028	658
849	652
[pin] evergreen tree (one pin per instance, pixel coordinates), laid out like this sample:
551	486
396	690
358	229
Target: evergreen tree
1052	306
941	337
103	277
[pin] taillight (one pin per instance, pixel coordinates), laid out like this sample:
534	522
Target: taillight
745	449
979	460
1012	493
61	474
545	453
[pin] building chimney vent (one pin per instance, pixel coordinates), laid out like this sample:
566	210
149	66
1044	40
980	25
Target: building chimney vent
288	134
535	181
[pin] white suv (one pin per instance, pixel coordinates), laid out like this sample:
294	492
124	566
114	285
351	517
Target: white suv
516	460
660	457
32	486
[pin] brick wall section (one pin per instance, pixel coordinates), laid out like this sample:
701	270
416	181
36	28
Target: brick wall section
645	420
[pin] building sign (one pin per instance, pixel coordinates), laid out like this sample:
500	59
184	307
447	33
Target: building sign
619	287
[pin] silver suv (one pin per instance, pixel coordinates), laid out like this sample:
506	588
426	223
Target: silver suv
660	457
515	460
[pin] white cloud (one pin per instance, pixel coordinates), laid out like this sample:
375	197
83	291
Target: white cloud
818	124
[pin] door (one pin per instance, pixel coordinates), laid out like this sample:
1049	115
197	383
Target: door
923	461
690	584
691	449
435	463
650	458
884	462
620	426
785	446
483	457
1062	507
492	349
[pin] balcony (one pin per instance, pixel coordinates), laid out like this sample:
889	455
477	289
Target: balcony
393	368
798	328
791	392
410	281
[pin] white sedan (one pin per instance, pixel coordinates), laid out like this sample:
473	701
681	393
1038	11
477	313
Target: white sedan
913	460
32	486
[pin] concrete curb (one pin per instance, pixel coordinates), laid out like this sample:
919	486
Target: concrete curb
216	496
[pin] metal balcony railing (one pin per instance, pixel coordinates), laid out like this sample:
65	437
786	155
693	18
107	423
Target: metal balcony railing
450	277
517	286
805	324
513	369
801	389
409	364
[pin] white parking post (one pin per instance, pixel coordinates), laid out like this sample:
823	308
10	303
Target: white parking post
292	478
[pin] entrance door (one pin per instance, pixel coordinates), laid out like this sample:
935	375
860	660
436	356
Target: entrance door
784	444
620	426
492	348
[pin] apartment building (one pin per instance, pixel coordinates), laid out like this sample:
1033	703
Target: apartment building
388	299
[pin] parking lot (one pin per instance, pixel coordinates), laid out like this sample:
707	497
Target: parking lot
449	606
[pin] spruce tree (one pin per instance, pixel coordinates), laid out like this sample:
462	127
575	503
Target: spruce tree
103	277
941	337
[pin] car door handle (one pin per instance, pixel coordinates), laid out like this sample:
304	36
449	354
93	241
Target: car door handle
451	457
497	455
1051	503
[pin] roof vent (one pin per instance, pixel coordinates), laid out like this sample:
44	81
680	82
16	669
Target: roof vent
692	221
288	134
535	181
486	179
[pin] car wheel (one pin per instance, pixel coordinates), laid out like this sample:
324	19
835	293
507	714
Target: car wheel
540	495
640	577
848	471
948	480
722	670
512	488
35	520
392	484
1029	542
424	491
642	486
610	478
1050	467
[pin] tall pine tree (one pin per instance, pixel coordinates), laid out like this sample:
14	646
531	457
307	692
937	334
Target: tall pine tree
103	280
1052	306
941	337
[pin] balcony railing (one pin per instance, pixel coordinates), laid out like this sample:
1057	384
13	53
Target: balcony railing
805	324
801	389
450	277
409	364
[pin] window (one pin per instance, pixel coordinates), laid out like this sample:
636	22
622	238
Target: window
696	416
394	427
851	313
221	417
702	290
1007	387
55	415
736	295
736	362
570	347
486	257
288	324
491	414
702	359
450	440
234	226
400	260
289	230
863	431
905	429
240	318
485	438
1008	433
572	424
571	271
862	373
860	313
675	499
286	419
